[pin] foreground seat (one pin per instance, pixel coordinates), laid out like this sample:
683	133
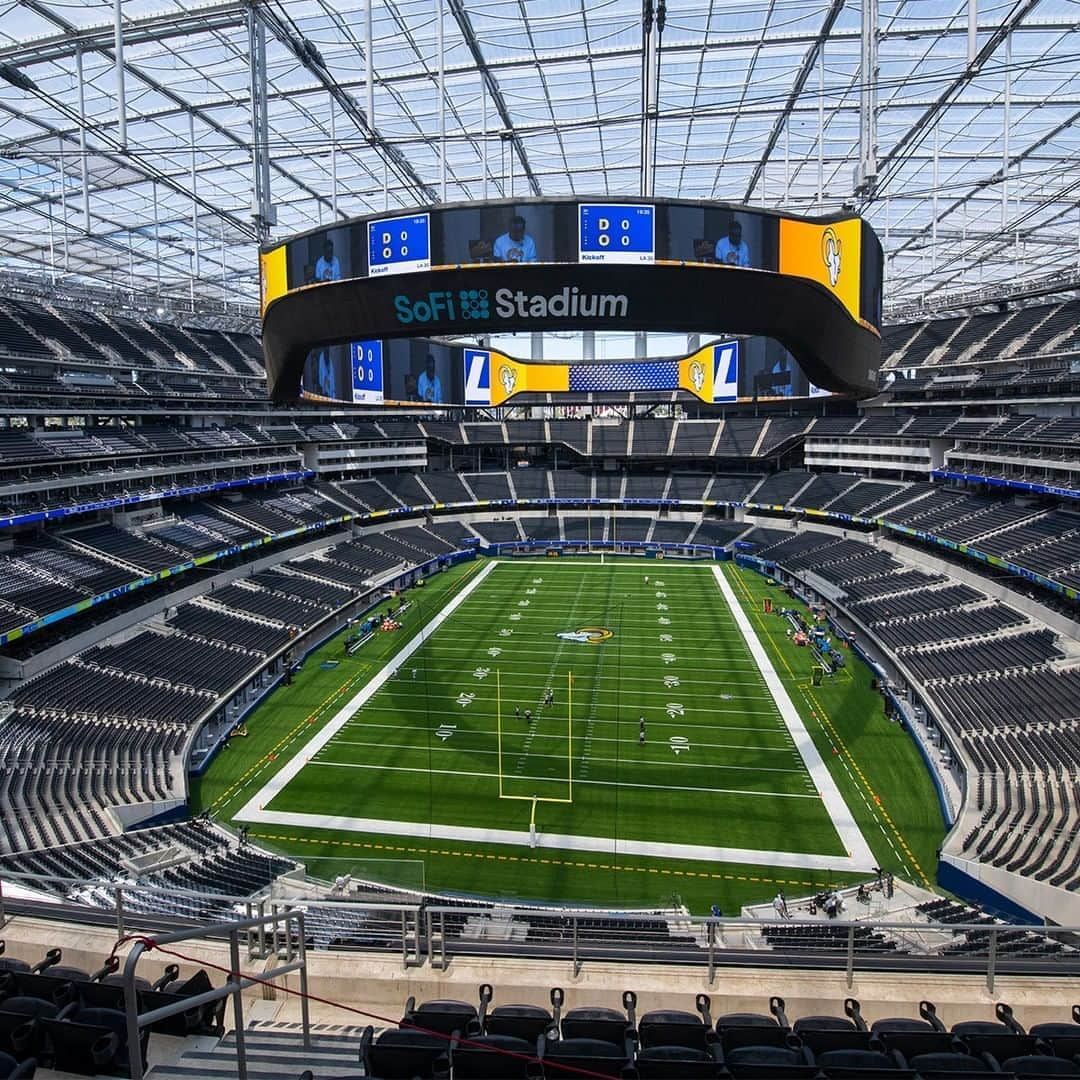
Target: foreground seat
526	1022
679	1063
859	1064
403	1054
10	1069
605	1025
91	1042
1038	1065
443	1016
774	1062
487	1057
593	1055
672	1027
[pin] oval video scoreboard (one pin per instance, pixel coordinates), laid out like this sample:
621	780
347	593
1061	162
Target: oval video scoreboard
813	284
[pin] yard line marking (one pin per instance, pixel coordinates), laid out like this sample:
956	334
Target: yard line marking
842	819
755	768
486	733
553	779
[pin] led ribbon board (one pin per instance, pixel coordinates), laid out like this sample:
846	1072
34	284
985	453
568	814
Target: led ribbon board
492	378
814	285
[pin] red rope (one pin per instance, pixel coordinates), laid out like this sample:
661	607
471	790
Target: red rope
152	946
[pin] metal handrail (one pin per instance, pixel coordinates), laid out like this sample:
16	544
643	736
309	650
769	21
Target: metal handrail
233	987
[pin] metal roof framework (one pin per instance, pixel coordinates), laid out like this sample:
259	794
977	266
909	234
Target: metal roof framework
952	124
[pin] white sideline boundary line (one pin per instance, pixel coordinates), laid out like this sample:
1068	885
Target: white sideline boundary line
252	810
601	844
861	857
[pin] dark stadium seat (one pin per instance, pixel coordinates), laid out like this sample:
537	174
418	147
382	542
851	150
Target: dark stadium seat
11	963
898	1024
10	1069
443	1016
859	1064
775	1062
594	1055
1004	1038
399	1054
593	1023
1039	1065
21	1033
526	1022
90	1042
670	1027
679	1062
944	1065
1062	1037
488	1057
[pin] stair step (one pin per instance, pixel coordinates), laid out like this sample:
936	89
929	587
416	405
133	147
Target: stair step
273	1052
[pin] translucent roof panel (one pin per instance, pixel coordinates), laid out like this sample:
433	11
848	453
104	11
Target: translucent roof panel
975	139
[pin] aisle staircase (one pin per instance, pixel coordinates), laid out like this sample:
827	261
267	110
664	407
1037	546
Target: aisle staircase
275	1051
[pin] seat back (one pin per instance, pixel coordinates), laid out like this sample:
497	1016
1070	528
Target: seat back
669	1027
90	1042
940	1066
677	1063
822	1023
401	1054
593	1055
20	1031
732	1038
29	984
527	1022
826	1041
775	1062
606	1025
856	1064
487	1057
1037	1065
443	1016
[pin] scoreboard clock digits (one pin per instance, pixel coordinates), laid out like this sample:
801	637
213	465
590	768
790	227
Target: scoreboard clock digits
399	245
616	233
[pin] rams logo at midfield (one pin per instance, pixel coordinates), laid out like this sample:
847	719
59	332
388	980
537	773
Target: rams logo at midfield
587	635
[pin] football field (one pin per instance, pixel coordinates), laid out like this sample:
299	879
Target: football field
535	720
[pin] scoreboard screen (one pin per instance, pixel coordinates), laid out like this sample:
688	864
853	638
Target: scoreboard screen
616	233
399	245
367	372
424	371
814	285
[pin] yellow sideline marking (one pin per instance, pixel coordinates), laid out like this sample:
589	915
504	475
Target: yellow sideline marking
821	715
491	857
270	754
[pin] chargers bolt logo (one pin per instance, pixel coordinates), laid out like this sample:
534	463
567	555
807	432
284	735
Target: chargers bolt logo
474	303
830	254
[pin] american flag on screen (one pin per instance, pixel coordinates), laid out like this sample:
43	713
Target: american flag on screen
648	375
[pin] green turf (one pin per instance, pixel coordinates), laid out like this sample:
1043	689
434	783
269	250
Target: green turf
739	784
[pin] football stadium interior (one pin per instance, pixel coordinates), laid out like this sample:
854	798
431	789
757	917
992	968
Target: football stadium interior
539	539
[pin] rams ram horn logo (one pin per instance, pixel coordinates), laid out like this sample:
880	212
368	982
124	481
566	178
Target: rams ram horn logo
830	254
697	375
587	635
508	378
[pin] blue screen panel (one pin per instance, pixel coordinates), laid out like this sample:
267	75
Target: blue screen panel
367	372
399	245
616	233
